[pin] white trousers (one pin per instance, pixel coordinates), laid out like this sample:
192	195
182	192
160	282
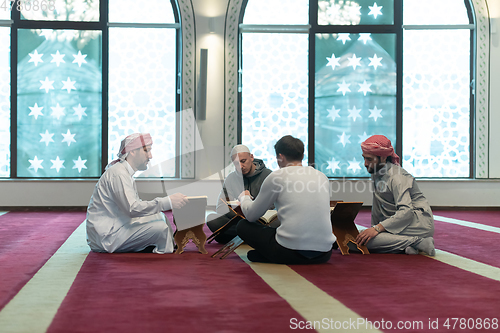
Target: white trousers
152	230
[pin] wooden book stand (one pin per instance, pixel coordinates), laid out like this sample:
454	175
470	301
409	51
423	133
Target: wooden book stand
189	221
196	234
238	215
229	247
342	217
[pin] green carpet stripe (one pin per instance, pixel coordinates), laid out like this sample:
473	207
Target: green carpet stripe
34	307
304	297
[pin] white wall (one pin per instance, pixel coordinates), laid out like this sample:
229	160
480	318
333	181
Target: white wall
479	193
468	193
210	160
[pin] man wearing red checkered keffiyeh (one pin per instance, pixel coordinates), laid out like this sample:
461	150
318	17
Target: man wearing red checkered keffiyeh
117	219
402	220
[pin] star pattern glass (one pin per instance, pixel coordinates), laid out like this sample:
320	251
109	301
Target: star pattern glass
142	93
355	12
355	86
355	97
59	104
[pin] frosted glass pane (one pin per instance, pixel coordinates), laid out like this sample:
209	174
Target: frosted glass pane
422	12
4	102
134	11
60	10
59	104
5	11
436	103
275	91
277	12
142	76
349	12
355	97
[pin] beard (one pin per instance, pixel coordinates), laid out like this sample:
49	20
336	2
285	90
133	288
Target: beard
375	169
143	166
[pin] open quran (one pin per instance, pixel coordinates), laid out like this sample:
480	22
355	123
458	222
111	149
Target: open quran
269	216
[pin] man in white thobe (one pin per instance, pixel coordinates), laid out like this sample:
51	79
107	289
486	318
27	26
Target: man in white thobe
117	219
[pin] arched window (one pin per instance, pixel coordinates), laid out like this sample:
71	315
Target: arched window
274	75
86	73
437	80
333	72
142	77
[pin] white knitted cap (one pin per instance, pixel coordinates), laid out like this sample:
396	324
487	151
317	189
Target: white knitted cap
239	149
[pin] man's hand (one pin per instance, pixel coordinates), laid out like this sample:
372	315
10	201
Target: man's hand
178	200
365	236
240	197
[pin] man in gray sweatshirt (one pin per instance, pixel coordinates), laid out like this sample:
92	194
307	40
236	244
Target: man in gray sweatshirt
248	176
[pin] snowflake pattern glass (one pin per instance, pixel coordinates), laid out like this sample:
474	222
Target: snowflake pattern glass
142	93
59	104
265	12
275	91
355	97
4	102
133	11
350	12
60	10
436	103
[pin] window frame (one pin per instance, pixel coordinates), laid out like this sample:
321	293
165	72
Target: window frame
396	28
103	25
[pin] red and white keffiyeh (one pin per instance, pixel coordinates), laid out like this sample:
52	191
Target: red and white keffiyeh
131	142
379	145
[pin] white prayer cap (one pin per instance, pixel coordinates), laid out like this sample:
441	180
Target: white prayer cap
239	149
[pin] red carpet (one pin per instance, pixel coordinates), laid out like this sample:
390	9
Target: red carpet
491	218
190	292
467	242
478	245
405	288
27	241
194	293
